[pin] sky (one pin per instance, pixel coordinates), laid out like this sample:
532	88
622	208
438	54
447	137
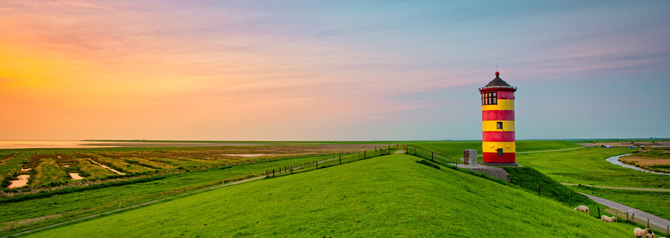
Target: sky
330	70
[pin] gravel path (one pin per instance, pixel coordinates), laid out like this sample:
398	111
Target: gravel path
624	188
653	220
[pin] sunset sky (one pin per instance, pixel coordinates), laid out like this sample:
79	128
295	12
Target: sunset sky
330	70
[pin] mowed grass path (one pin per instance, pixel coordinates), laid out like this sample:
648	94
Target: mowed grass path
387	196
588	166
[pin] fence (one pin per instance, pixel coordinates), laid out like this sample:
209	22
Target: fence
444	160
637	220
432	156
319	164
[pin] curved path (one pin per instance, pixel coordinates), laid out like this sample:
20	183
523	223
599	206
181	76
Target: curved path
659	223
624	188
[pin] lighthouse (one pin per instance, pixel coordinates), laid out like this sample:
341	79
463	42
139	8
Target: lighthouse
498	142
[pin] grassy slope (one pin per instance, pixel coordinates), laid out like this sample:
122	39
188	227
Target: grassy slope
588	166
93	201
656	203
530	179
380	197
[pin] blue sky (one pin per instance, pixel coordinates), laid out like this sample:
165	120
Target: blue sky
345	70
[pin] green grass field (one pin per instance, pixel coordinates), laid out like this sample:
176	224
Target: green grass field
14	214
657	203
454	149
380	197
588	166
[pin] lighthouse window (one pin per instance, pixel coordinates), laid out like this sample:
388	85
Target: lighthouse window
499	125
490	98
500	152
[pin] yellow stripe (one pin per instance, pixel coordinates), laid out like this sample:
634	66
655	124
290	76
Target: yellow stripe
503	104
493	126
508	147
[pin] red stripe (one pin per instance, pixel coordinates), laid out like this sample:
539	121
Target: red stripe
505	95
498	136
498	115
492	157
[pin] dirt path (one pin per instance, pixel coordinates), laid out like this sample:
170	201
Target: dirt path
105	167
624	188
659	223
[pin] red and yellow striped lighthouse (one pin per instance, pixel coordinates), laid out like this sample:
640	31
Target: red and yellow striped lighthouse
498	142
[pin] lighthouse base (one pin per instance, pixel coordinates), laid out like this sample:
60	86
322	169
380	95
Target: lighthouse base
500	164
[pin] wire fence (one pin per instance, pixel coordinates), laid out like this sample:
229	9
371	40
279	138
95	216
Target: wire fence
333	161
432	156
630	217
453	162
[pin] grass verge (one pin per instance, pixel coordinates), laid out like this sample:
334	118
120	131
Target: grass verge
380	197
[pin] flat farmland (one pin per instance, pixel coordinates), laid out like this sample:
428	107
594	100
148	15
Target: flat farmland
54	167
148	174
653	159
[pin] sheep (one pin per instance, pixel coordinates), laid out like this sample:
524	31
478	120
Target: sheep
608	219
639	233
583	209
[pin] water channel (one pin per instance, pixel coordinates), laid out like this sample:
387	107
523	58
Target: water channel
615	160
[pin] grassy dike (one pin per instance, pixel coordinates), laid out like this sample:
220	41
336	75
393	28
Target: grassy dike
22	214
380	197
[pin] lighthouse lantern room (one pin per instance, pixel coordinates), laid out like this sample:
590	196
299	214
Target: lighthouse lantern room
498	142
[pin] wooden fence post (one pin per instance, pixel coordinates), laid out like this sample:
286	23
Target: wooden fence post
432	156
340	159
273	173
633	218
317	164
598	212
648	223
627	216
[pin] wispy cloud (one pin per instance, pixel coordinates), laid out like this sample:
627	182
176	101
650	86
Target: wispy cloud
302	62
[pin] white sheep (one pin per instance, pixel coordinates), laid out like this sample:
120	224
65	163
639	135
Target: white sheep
643	233
583	209
608	219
